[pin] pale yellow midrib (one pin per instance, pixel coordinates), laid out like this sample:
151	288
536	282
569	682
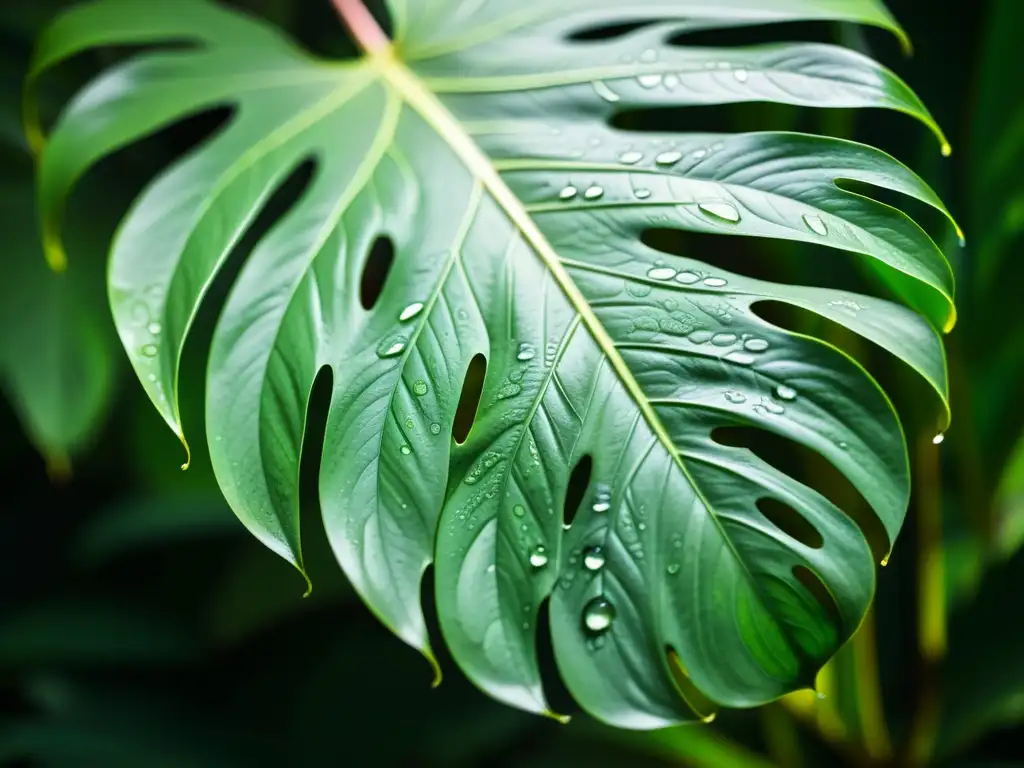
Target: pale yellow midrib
430	108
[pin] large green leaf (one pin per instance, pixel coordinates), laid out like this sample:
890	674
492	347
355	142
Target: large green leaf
480	145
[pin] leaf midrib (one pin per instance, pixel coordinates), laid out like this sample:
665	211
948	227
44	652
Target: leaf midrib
425	103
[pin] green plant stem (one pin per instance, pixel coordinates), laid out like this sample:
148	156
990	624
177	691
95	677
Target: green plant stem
781	736
870	708
931	604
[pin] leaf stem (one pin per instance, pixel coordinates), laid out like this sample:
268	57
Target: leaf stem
362	25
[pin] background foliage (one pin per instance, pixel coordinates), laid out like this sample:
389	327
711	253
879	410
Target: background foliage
141	626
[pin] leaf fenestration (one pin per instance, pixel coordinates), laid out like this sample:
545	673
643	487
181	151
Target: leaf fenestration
516	214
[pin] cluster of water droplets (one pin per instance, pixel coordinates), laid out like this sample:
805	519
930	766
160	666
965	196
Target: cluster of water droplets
395	345
685	277
667	80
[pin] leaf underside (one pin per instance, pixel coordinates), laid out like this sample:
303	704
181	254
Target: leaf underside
481	147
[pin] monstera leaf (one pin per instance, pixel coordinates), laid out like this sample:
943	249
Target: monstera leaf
479	147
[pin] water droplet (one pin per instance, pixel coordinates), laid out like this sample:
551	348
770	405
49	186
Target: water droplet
642	194
641	527
843	445
518	510
672	569
631	158
538	557
735	397
661	273
721	211
509	390
687	278
491	568
411	311
755	345
723	339
773	408
700	336
815	224
391	348
602	500
668	158
606	93
435	428
649	56
671	82
740	358
420	388
785	393
937	440
699	154
155	328
715	282
526	352
218	438
598	615
593	192
151	377
568	193
409	423
148	350
406	450
649	81
740	75
593	558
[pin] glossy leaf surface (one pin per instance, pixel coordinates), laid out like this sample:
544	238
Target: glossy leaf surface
479	152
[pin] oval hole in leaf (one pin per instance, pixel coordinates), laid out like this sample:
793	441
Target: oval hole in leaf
576	491
375	271
605	31
558	696
815	471
790	522
469	401
704	707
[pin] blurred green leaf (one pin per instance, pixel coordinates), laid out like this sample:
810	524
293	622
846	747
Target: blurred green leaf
984	674
90	632
1009	504
151	521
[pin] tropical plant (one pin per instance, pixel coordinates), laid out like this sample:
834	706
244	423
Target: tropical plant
478	157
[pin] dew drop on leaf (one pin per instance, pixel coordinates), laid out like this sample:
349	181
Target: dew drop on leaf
740	75
568	193
155	328
526	352
598	615
148	350
687	278
815	224
518	510
606	93
649	56
602	499
937	440
435	428
406	450
785	393
538	557
672	569
642	193
720	211
715	282
723	339
391	347
631	158
411	311
649	81
735	397
755	345
420	388
661	273
593	558
668	158
740	358
593	192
